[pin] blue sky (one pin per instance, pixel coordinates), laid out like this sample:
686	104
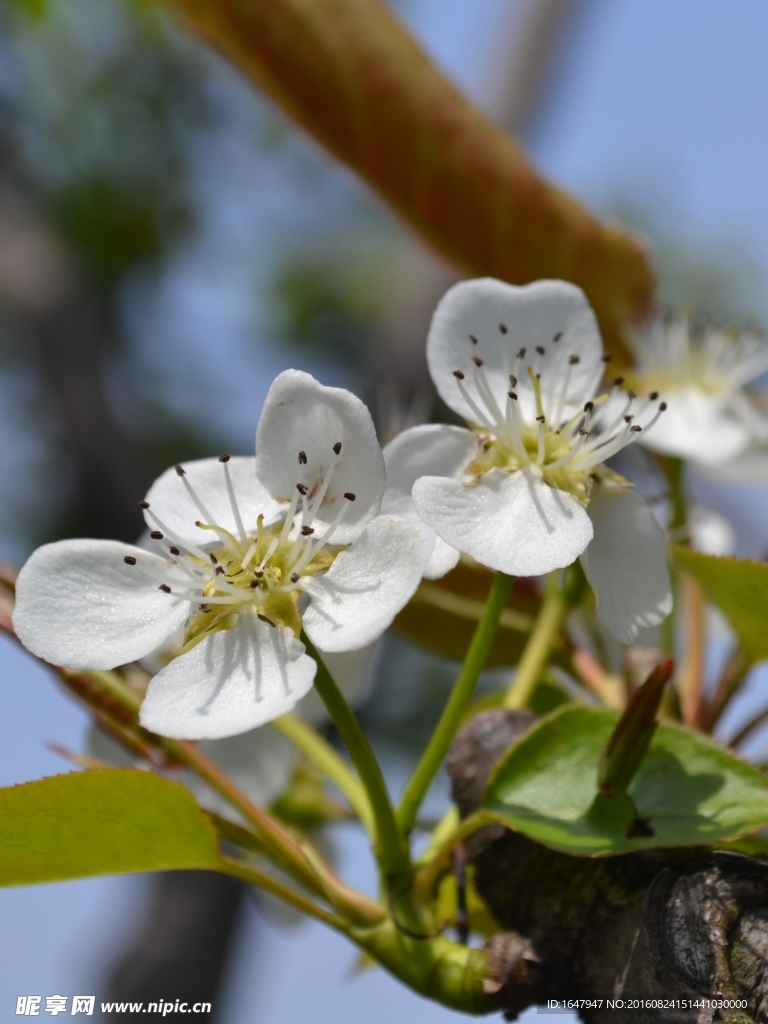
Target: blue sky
664	100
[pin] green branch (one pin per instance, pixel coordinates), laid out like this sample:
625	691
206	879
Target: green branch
322	755
252	875
433	756
539	646
391	850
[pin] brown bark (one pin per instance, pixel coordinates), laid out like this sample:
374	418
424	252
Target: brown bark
350	75
690	924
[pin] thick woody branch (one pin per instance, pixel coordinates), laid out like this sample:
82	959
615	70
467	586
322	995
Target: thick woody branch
350	75
687	925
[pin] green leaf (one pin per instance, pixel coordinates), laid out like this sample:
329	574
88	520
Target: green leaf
752	846
100	822
738	587
688	791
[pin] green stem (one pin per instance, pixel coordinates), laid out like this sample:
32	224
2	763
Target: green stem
115	687
425	880
281	844
252	875
391	851
537	650
444	828
677	529
309	741
674	469
475	659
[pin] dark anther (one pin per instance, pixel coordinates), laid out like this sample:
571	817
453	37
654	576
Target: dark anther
503	328
663	406
541	419
589	406
635	429
225	457
653	395
477	360
165	588
259	574
583	432
538	376
458	375
473	339
558	336
631	395
301	488
302	458
573	360
175	551
307	531
156	535
213	558
205	607
143	504
512	395
180	470
541	351
294	577
254	584
198	522
513	380
628	419
521	354
607	357
618	381
219	570
349	496
337	448
129	560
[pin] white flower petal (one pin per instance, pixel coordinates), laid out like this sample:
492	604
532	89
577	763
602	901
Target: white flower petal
626	563
433	449
232	681
533	315
710	532
442	560
367	585
300	414
353	673
512	522
79	605
696	426
259	762
169	499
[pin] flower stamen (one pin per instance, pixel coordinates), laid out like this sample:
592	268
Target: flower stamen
224	460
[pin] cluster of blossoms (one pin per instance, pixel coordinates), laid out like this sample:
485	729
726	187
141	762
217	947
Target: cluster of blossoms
304	539
714	420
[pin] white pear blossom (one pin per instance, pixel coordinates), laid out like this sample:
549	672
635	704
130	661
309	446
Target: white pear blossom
524	488
713	419
251	552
